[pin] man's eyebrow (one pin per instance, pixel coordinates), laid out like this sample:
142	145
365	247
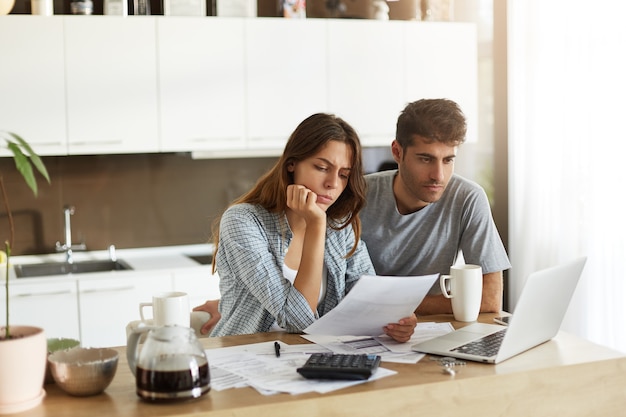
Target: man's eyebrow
428	155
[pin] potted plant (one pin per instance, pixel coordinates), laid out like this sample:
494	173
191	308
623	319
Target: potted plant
23	349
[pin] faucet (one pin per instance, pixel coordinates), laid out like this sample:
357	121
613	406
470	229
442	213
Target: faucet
67	247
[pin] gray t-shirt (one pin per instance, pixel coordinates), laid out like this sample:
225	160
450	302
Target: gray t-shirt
427	241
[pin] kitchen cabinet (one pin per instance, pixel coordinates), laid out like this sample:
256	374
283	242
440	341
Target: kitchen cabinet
286	77
49	304
367	73
111	84
109	302
226	87
32	82
199	284
201	84
442	62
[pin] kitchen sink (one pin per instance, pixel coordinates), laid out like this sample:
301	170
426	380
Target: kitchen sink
64	268
202	259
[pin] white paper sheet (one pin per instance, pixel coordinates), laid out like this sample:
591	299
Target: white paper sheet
384	346
372	303
256	365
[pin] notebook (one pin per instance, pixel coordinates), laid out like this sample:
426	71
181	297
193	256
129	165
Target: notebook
537	319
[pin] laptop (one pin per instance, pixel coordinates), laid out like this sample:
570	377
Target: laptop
537	319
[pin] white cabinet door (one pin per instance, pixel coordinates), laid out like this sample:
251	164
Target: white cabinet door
366	76
442	62
286	77
108	304
199	284
51	305
201	83
32	82
111	84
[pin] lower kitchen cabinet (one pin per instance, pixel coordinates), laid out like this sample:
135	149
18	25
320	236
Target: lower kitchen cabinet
53	306
108	304
199	284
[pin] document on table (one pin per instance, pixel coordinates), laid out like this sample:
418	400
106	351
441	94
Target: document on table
372	303
388	349
257	366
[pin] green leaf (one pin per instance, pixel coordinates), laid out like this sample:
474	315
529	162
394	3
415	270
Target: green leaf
22	163
35	159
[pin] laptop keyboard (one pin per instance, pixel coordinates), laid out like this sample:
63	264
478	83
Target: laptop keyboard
485	346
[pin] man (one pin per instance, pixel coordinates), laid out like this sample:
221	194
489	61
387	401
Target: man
419	216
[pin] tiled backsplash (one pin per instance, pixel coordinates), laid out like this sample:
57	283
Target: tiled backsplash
125	200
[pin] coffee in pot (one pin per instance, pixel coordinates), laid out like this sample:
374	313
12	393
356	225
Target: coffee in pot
171	365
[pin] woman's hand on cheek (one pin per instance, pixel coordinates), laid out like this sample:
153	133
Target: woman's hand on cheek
304	202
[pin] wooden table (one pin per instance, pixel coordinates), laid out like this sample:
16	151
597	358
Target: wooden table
567	376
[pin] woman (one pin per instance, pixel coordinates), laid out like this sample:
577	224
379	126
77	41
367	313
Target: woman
289	250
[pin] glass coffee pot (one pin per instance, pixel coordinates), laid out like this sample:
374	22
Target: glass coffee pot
171	365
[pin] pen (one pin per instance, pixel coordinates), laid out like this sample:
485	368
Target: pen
277	349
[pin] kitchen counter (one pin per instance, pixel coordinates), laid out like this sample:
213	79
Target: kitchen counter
139	259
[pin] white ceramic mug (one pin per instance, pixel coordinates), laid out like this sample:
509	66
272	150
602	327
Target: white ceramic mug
168	309
466	290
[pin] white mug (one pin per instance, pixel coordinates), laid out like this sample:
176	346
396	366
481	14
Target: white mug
168	309
466	291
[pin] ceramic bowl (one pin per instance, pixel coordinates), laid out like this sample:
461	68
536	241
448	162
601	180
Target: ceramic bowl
54	345
83	371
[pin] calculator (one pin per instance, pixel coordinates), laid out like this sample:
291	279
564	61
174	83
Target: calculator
339	366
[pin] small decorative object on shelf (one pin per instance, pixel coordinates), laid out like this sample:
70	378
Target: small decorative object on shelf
81	7
6	6
236	8
141	7
116	7
294	9
42	7
381	9
184	7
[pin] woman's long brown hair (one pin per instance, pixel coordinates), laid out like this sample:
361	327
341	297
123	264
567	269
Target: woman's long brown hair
310	136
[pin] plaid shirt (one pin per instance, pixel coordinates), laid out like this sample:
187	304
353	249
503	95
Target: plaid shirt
252	247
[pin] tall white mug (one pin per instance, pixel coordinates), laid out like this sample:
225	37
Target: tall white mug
466	290
168	309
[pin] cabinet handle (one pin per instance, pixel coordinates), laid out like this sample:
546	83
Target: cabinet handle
40	294
44	144
97	143
114	289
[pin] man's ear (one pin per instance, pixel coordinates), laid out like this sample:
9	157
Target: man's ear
396	151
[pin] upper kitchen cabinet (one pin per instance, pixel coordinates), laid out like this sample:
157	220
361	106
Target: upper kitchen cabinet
111	84
32	82
220	87
286	77
201	83
442	62
367	65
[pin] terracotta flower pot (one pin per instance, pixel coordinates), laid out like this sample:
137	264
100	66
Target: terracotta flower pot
22	368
